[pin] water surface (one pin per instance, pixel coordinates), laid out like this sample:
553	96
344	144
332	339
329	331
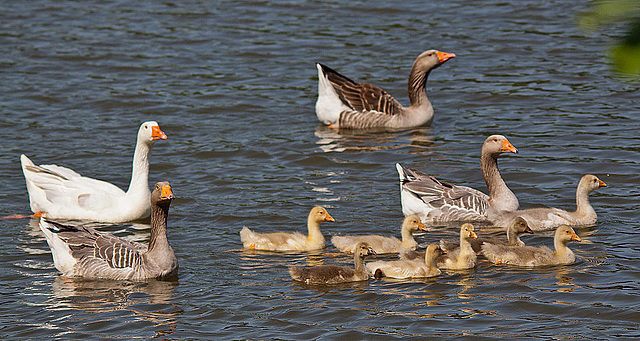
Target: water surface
233	85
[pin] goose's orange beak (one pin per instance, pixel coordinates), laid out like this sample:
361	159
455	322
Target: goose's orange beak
166	193
157	134
507	147
329	217
444	56
601	183
473	235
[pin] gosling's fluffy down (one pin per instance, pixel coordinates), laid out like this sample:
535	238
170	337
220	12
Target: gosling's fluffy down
334	274
517	227
463	257
382	244
529	256
284	241
408	268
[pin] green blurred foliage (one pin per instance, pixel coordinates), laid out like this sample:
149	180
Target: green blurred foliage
624	53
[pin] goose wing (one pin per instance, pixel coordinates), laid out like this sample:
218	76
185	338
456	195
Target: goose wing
361	97
64	187
91	246
449	202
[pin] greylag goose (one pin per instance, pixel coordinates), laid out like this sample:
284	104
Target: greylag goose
548	218
463	257
405	268
437	201
284	241
382	244
60	193
517	227
334	274
529	256
344	103
81	251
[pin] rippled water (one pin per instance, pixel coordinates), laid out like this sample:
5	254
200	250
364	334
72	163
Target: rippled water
233	84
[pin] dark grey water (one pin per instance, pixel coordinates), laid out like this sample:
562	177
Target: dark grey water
233	84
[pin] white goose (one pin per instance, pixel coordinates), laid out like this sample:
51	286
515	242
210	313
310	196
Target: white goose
61	193
344	103
437	201
81	251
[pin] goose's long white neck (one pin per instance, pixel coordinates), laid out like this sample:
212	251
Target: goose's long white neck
139	184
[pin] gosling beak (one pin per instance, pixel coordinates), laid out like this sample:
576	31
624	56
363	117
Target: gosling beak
575	238
422	227
601	183
157	134
329	218
507	147
166	193
444	56
371	251
528	230
473	235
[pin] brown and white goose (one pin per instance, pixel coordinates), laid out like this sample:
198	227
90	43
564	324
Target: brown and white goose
437	201
334	274
382	244
405	268
529	256
285	241
517	227
463	257
548	218
344	103
81	251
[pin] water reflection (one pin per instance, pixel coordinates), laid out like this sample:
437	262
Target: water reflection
253	260
335	140
150	300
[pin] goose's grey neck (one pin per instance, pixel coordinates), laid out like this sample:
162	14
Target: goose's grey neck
417	87
500	196
158	240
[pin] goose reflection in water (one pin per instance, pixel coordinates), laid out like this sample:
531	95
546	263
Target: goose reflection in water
150	300
331	140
